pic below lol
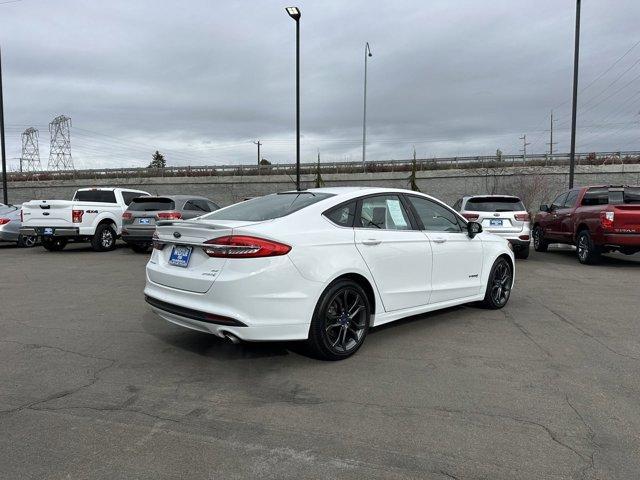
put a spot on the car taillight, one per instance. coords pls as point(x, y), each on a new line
point(76, 216)
point(606, 220)
point(157, 244)
point(127, 216)
point(522, 217)
point(21, 216)
point(4, 221)
point(472, 217)
point(241, 246)
point(168, 216)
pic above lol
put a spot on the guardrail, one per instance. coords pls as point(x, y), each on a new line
point(404, 165)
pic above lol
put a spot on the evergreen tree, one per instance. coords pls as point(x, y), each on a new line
point(319, 180)
point(157, 161)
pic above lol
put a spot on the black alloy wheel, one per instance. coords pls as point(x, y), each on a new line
point(341, 321)
point(499, 285)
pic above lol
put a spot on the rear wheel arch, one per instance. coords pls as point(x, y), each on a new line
point(363, 282)
point(580, 228)
point(509, 259)
point(108, 220)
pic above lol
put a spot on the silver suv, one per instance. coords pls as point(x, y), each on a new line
point(503, 215)
point(139, 220)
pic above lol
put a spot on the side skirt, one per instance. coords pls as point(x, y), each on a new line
point(382, 318)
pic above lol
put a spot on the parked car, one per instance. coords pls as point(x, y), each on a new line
point(597, 219)
point(94, 215)
point(10, 221)
point(504, 215)
point(139, 220)
point(323, 265)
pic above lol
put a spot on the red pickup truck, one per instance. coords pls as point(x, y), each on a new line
point(596, 220)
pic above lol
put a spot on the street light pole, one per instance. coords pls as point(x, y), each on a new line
point(367, 54)
point(294, 12)
point(5, 194)
point(572, 158)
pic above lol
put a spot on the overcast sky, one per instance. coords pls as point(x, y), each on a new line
point(201, 80)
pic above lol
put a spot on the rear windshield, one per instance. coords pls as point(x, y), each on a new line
point(493, 204)
point(268, 207)
point(151, 204)
point(102, 196)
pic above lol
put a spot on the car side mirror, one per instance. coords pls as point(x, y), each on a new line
point(473, 228)
point(544, 208)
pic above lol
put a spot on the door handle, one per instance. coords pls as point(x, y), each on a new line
point(439, 240)
point(371, 241)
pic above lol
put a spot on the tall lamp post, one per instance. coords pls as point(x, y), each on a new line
point(294, 12)
point(367, 54)
point(5, 194)
point(576, 56)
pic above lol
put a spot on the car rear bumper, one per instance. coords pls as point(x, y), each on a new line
point(265, 301)
point(622, 239)
point(57, 231)
point(6, 236)
point(137, 235)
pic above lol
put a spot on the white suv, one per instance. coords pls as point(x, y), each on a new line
point(502, 215)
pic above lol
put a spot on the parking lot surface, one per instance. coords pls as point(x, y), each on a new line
point(94, 385)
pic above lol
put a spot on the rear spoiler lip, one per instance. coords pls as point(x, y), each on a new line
point(188, 224)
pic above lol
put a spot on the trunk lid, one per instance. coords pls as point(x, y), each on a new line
point(200, 271)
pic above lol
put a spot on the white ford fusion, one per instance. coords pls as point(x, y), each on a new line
point(323, 265)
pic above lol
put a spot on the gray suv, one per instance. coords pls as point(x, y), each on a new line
point(139, 220)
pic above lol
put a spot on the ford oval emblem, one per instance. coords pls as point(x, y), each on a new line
point(496, 214)
point(176, 234)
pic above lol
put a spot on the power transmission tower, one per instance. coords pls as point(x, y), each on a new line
point(551, 142)
point(60, 149)
point(30, 158)
point(258, 144)
point(524, 147)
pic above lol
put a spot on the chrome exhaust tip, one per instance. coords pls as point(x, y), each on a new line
point(231, 338)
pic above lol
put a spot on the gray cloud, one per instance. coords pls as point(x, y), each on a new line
point(200, 80)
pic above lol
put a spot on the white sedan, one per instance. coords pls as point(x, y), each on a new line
point(323, 265)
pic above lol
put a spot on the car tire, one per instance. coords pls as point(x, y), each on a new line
point(104, 239)
point(54, 244)
point(521, 253)
point(539, 242)
point(340, 321)
point(588, 252)
point(140, 247)
point(27, 241)
point(499, 284)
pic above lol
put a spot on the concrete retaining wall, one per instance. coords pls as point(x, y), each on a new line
point(533, 184)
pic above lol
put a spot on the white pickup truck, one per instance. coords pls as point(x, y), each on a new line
point(94, 215)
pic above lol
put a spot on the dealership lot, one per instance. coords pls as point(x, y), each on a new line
point(93, 385)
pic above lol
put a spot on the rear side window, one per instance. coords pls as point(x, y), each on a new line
point(268, 207)
point(102, 196)
point(151, 204)
point(342, 215)
point(494, 204)
point(384, 212)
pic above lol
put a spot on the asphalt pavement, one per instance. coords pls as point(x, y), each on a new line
point(94, 386)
